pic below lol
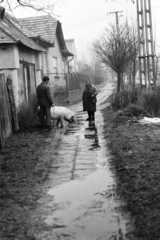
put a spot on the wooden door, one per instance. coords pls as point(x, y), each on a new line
point(27, 81)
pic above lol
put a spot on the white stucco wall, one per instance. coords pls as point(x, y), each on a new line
point(38, 68)
point(74, 61)
point(27, 55)
point(9, 56)
point(37, 58)
point(9, 64)
point(47, 66)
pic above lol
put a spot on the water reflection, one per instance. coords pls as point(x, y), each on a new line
point(92, 127)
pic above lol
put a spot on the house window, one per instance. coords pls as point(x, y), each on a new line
point(55, 65)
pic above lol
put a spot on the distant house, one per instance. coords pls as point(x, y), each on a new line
point(47, 32)
point(72, 61)
point(19, 57)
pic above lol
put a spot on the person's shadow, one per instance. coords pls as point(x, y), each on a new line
point(93, 128)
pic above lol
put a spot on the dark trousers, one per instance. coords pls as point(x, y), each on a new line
point(45, 112)
point(91, 114)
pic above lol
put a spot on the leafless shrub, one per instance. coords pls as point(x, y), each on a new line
point(150, 101)
point(122, 99)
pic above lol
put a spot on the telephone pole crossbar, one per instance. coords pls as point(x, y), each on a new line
point(117, 17)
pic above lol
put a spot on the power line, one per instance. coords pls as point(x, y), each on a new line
point(85, 21)
point(87, 24)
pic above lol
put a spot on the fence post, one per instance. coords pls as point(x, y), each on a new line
point(12, 104)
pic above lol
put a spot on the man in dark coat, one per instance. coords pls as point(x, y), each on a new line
point(89, 100)
point(45, 102)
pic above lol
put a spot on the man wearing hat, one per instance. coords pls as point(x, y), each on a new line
point(45, 102)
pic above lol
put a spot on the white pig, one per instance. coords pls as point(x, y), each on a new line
point(60, 114)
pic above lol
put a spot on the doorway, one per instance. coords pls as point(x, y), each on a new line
point(27, 80)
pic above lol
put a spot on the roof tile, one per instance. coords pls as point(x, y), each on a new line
point(44, 26)
point(11, 32)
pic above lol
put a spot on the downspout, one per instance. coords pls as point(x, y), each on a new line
point(67, 87)
point(68, 62)
point(47, 61)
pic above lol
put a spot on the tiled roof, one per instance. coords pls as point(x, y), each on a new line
point(11, 32)
point(43, 26)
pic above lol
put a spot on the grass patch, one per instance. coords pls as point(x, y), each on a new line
point(135, 149)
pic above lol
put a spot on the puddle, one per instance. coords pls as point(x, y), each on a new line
point(86, 206)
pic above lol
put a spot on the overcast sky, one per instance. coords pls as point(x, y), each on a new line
point(85, 20)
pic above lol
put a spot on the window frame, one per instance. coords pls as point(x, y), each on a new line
point(55, 65)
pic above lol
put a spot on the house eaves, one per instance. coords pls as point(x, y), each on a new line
point(67, 53)
point(12, 33)
point(62, 42)
point(41, 41)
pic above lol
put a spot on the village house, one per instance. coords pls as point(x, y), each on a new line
point(20, 58)
point(72, 61)
point(47, 32)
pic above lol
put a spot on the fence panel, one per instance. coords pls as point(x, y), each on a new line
point(75, 81)
point(5, 117)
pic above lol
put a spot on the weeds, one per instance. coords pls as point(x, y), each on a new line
point(135, 160)
point(123, 99)
point(150, 100)
point(28, 113)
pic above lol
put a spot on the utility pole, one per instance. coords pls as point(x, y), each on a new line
point(117, 18)
point(145, 43)
point(120, 81)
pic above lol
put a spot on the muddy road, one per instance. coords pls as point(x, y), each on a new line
point(79, 200)
point(58, 185)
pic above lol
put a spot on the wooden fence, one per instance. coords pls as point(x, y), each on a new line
point(77, 81)
point(8, 113)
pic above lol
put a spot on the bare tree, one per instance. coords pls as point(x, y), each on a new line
point(133, 68)
point(117, 49)
point(46, 6)
point(85, 68)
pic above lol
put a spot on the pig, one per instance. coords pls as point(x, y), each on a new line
point(61, 114)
